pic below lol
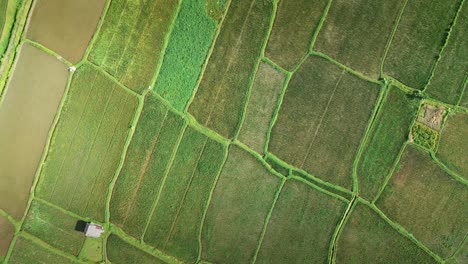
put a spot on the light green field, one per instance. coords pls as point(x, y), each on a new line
point(27, 251)
point(86, 148)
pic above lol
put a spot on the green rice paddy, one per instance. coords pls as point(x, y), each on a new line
point(233, 131)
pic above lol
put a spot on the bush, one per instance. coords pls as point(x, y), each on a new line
point(424, 136)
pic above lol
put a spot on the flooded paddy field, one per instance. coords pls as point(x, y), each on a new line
point(7, 231)
point(27, 112)
point(65, 26)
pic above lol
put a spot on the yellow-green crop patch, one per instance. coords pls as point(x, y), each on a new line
point(355, 33)
point(367, 238)
point(453, 144)
point(263, 100)
point(177, 217)
point(292, 31)
point(387, 136)
point(241, 201)
point(132, 39)
point(147, 160)
point(54, 227)
point(427, 201)
point(120, 252)
point(87, 144)
point(449, 77)
point(421, 32)
point(222, 93)
point(28, 251)
point(303, 219)
point(322, 120)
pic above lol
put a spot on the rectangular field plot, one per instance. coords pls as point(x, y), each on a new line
point(87, 144)
point(131, 40)
point(183, 63)
point(176, 222)
point(120, 252)
point(294, 26)
point(451, 71)
point(417, 41)
point(387, 136)
point(65, 26)
point(354, 35)
point(243, 196)
point(146, 163)
point(301, 225)
point(54, 227)
point(27, 112)
point(367, 238)
point(322, 119)
point(27, 251)
point(220, 98)
point(262, 103)
point(7, 230)
point(453, 144)
point(427, 201)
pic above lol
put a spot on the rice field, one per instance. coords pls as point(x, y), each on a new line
point(233, 131)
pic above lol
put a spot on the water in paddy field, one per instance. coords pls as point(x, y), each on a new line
point(27, 111)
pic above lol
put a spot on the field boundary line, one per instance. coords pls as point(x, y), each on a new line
point(332, 248)
point(401, 230)
point(444, 45)
point(307, 175)
point(458, 248)
point(123, 156)
point(319, 26)
point(9, 61)
point(153, 143)
point(48, 51)
point(275, 66)
point(208, 56)
point(91, 146)
point(97, 32)
point(444, 167)
point(163, 182)
point(313, 186)
point(253, 75)
point(279, 103)
point(64, 211)
point(342, 66)
point(184, 196)
point(167, 39)
point(113, 79)
point(460, 98)
point(390, 39)
point(267, 220)
point(208, 202)
point(41, 243)
point(138, 244)
point(10, 219)
point(259, 158)
point(319, 125)
point(376, 113)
